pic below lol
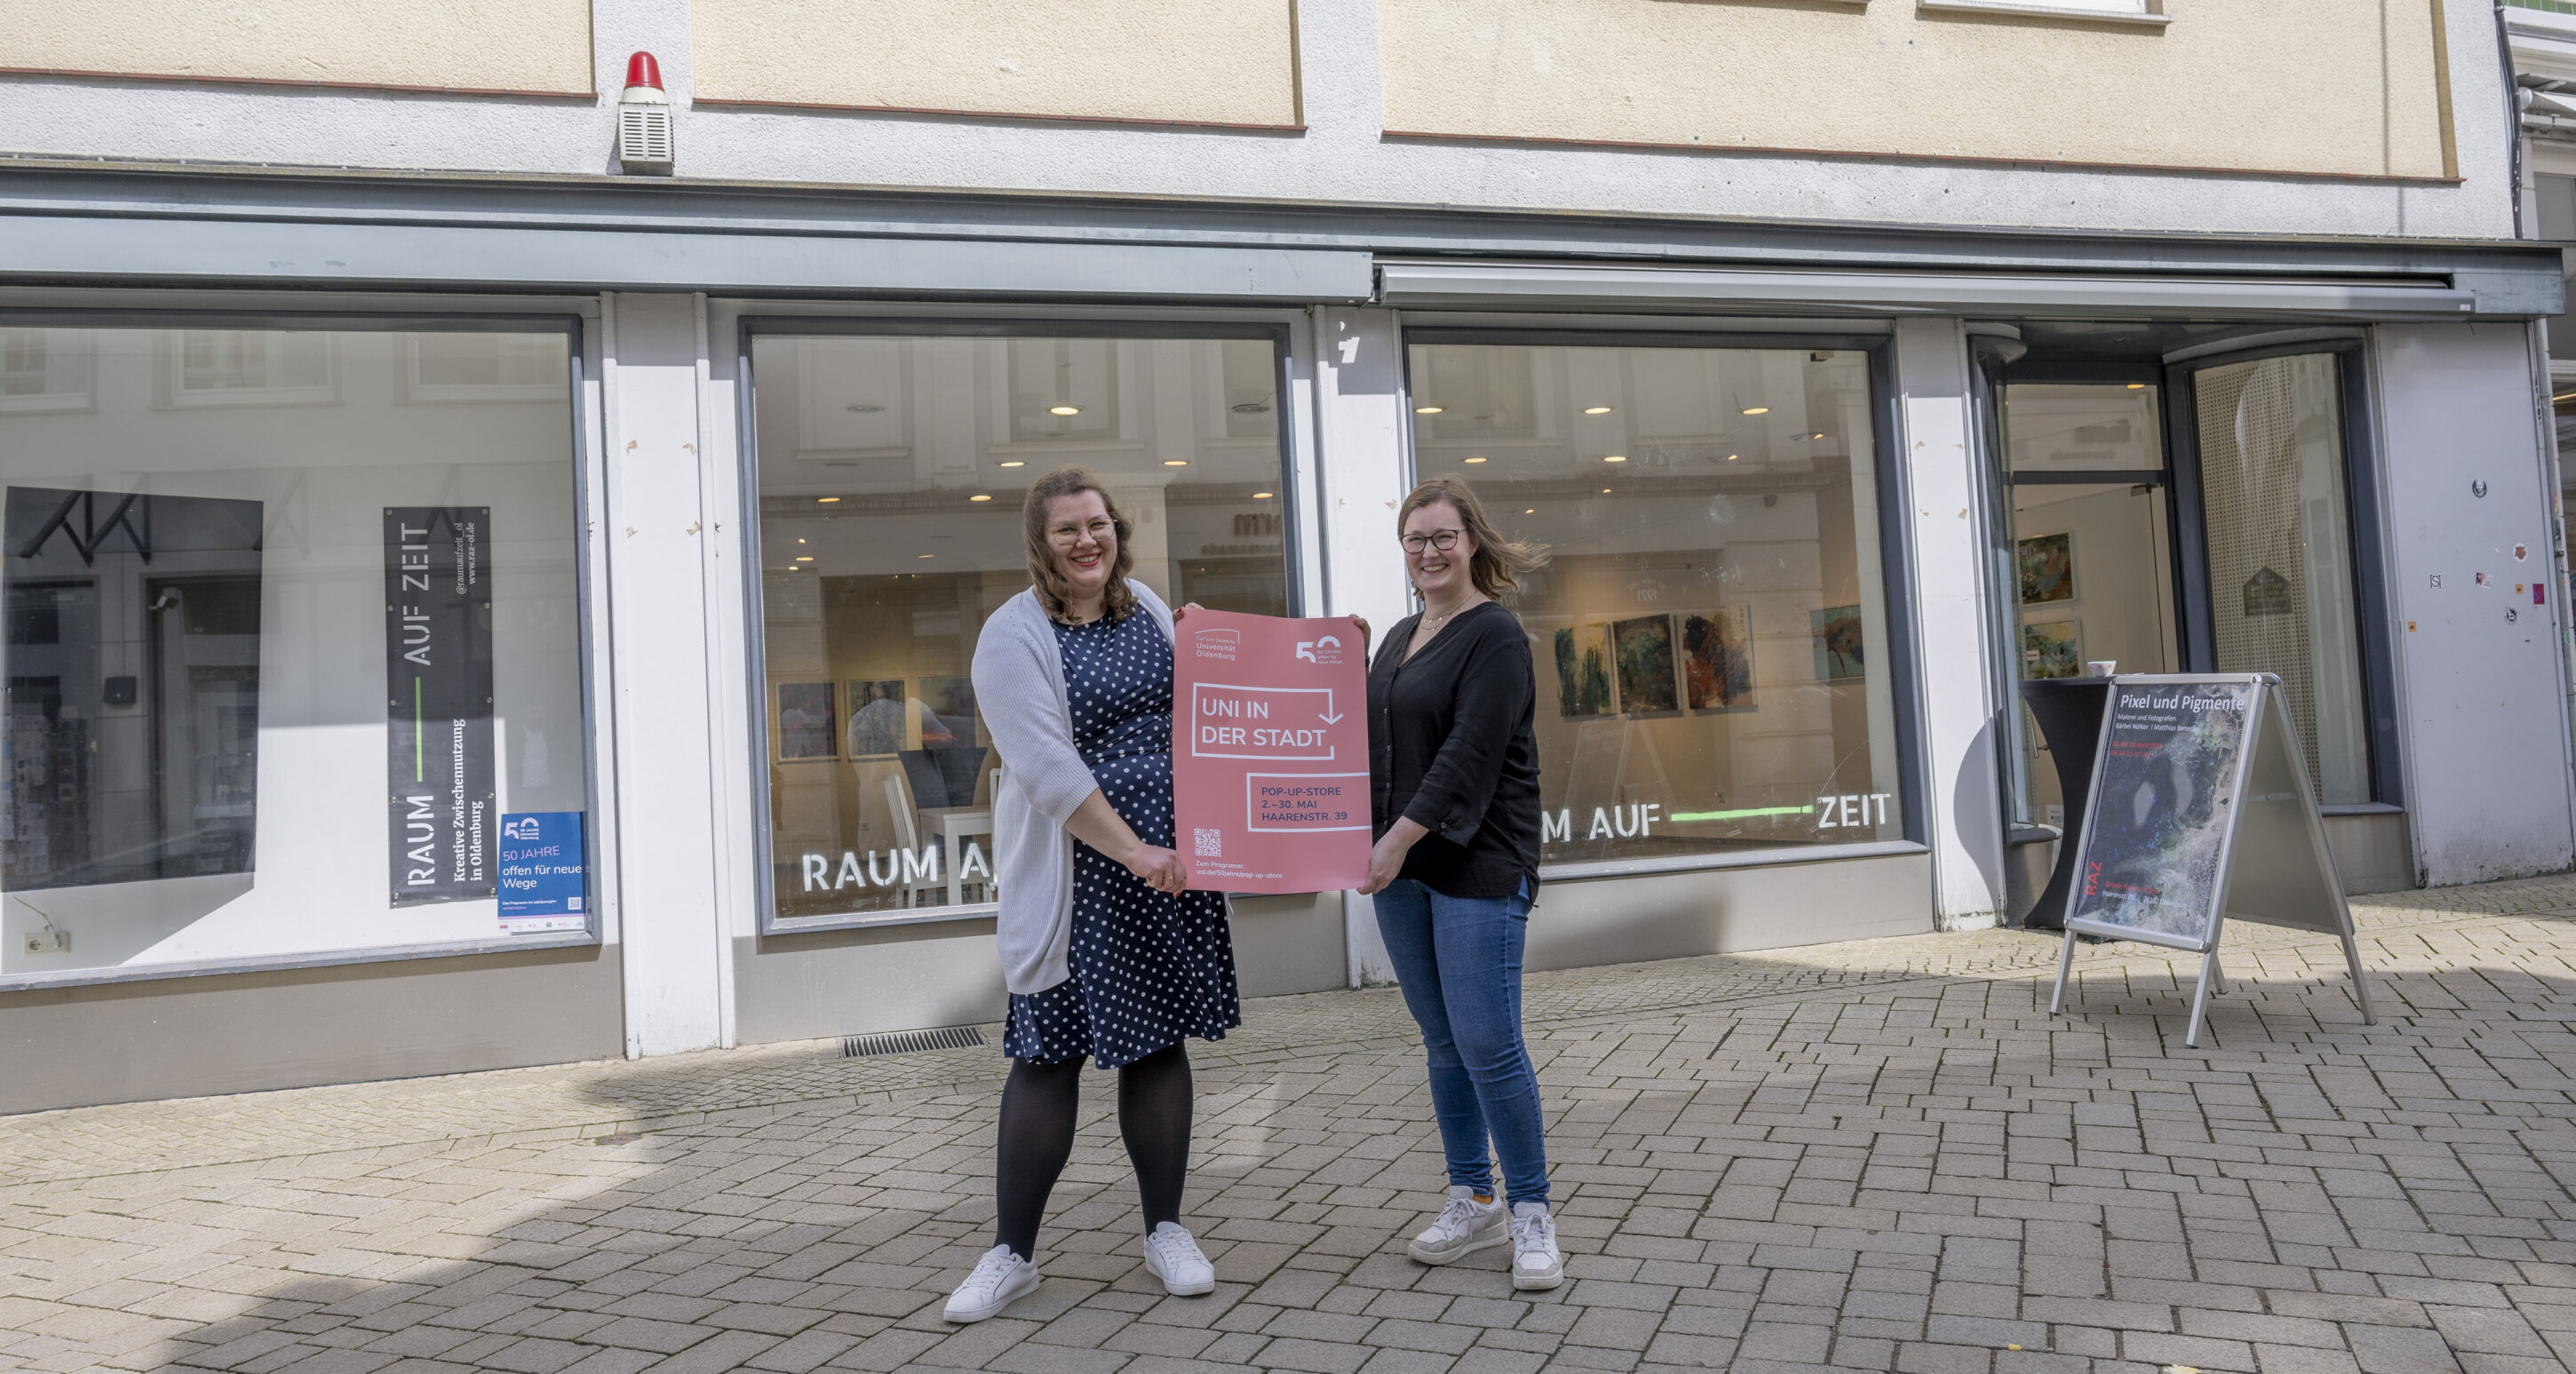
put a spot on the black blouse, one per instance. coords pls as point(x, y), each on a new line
point(1451, 746)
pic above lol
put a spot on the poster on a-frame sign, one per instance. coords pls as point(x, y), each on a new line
point(2201, 811)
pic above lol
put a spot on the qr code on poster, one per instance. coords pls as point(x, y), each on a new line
point(1211, 843)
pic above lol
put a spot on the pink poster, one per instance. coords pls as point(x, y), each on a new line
point(1270, 765)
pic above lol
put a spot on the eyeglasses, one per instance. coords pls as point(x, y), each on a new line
point(1442, 540)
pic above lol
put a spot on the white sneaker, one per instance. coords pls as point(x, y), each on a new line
point(1000, 1279)
point(1536, 1263)
point(1464, 1227)
point(1173, 1255)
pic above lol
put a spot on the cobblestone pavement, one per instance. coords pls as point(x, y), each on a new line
point(1882, 1155)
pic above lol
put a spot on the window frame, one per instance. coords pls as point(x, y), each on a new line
point(541, 318)
point(1896, 562)
point(2374, 606)
point(752, 327)
point(2149, 13)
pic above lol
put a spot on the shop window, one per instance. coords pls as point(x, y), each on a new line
point(890, 472)
point(274, 680)
point(1711, 636)
point(2275, 502)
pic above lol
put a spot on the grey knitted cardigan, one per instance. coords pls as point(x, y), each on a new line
point(1020, 693)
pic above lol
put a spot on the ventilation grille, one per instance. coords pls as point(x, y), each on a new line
point(911, 1042)
point(644, 138)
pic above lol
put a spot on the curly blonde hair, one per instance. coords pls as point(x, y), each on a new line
point(1117, 601)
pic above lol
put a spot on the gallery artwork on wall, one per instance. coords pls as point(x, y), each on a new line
point(806, 721)
point(2052, 649)
point(1583, 671)
point(2047, 568)
point(1717, 659)
point(1644, 652)
point(1837, 633)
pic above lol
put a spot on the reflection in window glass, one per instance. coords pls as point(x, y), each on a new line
point(890, 479)
point(2089, 426)
point(225, 731)
point(252, 361)
point(2281, 585)
point(44, 369)
point(1711, 635)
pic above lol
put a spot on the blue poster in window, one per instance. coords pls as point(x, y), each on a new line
point(542, 883)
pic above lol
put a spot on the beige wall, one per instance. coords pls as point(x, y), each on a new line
point(1157, 61)
point(2349, 87)
point(475, 45)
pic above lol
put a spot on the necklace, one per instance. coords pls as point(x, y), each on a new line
point(1430, 621)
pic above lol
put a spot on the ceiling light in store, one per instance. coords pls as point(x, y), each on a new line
point(1757, 410)
point(1531, 511)
point(928, 555)
point(1596, 410)
point(825, 500)
point(800, 541)
point(804, 558)
point(1426, 410)
point(979, 498)
point(1475, 460)
point(1261, 496)
point(1605, 491)
point(1064, 410)
point(2137, 386)
point(1015, 463)
point(1733, 456)
point(1615, 458)
point(1176, 462)
point(1816, 436)
point(863, 408)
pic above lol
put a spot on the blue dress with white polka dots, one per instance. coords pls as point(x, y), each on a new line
point(1149, 969)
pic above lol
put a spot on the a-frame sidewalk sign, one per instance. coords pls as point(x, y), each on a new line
point(2201, 812)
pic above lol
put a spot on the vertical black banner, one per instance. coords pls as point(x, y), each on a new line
point(438, 704)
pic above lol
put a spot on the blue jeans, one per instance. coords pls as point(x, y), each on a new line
point(1459, 962)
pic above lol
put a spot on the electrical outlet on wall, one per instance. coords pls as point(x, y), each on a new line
point(49, 942)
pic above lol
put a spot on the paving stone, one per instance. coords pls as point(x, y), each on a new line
point(1880, 1155)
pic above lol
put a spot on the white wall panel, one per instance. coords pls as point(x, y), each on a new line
point(2480, 666)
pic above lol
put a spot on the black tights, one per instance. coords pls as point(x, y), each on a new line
point(1037, 1137)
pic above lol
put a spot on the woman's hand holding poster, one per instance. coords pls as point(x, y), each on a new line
point(1270, 753)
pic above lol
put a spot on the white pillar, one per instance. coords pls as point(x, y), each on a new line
point(1363, 470)
point(1961, 719)
point(677, 961)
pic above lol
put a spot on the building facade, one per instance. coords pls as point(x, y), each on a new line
point(472, 601)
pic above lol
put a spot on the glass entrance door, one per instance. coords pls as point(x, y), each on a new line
point(2287, 583)
point(2090, 550)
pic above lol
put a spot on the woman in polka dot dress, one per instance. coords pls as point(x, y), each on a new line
point(1106, 953)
